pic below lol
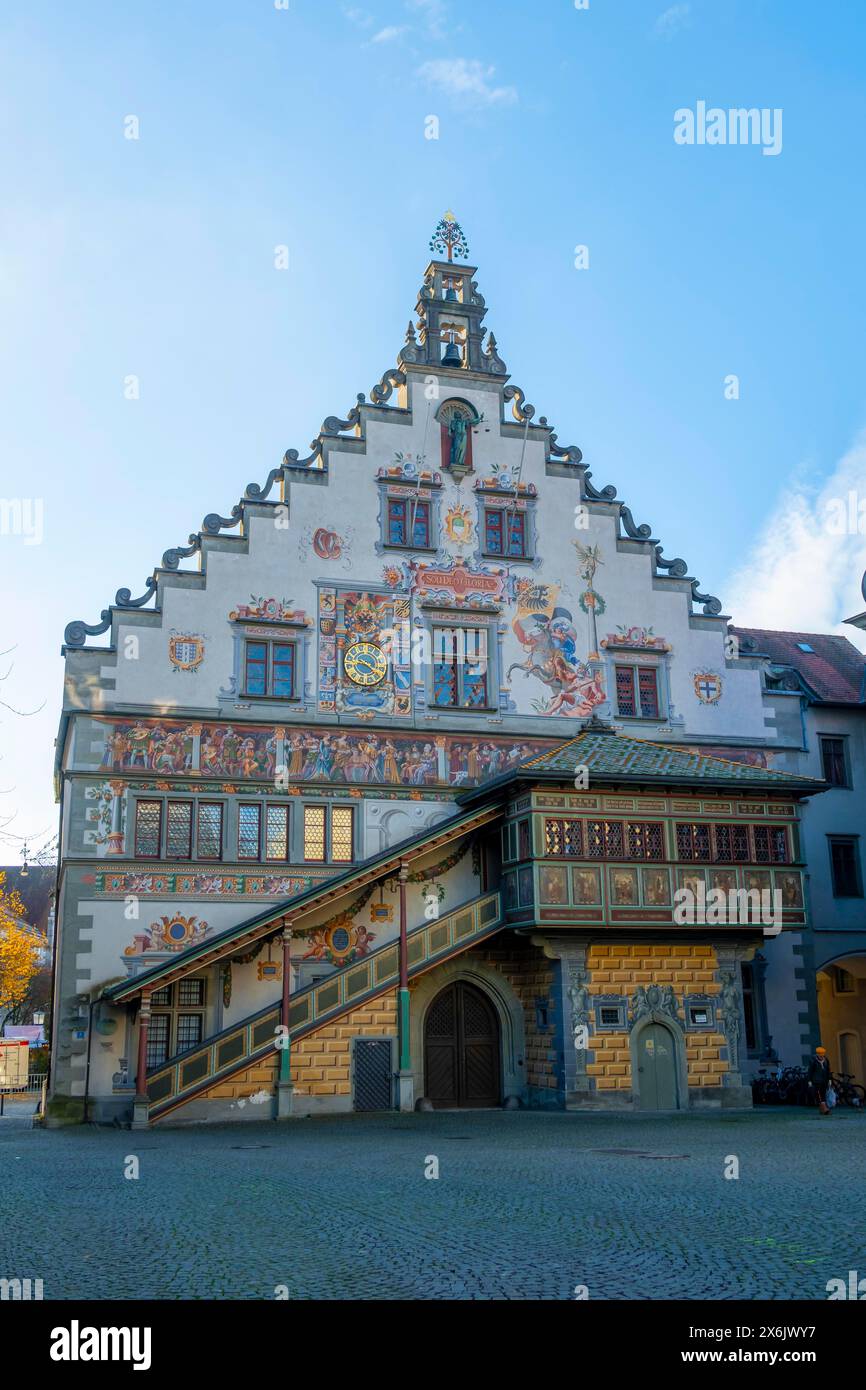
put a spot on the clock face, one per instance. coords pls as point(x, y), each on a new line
point(365, 663)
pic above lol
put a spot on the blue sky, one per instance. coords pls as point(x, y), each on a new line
point(305, 127)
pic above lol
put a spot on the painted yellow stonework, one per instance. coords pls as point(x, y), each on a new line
point(619, 969)
point(320, 1062)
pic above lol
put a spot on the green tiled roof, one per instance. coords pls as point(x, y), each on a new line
point(612, 755)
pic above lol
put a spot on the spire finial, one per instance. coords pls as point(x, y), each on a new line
point(449, 237)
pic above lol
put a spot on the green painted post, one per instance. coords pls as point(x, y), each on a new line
point(286, 1049)
point(403, 1006)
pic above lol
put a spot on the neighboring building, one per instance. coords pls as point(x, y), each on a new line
point(816, 686)
point(412, 765)
point(34, 884)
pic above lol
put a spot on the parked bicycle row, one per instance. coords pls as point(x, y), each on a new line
point(791, 1086)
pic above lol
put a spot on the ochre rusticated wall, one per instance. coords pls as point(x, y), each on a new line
point(619, 969)
point(321, 1061)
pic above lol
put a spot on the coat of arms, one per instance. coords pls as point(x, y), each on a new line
point(185, 651)
point(708, 686)
point(458, 525)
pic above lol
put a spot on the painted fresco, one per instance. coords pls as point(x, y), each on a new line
point(335, 756)
point(159, 747)
point(753, 757)
point(242, 752)
point(549, 639)
point(348, 617)
point(183, 884)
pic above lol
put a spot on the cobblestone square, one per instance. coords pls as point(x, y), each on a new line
point(527, 1205)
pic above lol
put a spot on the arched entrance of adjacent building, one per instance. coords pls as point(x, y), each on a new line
point(842, 1014)
point(657, 1067)
point(462, 1049)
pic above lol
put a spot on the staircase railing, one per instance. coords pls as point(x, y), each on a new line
point(244, 1043)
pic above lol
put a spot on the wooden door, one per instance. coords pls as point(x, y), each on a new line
point(461, 1049)
point(657, 1068)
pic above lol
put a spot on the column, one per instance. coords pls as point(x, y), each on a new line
point(115, 836)
point(284, 1081)
point(140, 1118)
point(405, 1080)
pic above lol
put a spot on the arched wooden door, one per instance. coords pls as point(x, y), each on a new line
point(462, 1049)
point(657, 1068)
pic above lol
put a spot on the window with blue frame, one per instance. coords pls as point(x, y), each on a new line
point(407, 516)
point(269, 669)
point(460, 668)
point(504, 532)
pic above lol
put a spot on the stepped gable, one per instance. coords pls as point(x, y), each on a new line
point(449, 309)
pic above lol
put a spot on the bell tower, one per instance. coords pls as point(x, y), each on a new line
point(450, 313)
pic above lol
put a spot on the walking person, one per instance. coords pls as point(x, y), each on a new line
point(819, 1078)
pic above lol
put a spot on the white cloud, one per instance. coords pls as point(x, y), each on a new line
point(389, 33)
point(804, 576)
point(672, 20)
point(468, 81)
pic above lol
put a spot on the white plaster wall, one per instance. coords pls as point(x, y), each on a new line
point(278, 566)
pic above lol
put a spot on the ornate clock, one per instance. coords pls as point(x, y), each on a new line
point(365, 663)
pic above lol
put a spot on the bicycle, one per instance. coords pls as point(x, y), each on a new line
point(766, 1089)
point(794, 1086)
point(847, 1091)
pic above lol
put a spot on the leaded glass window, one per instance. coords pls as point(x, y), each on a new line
point(148, 825)
point(249, 831)
point(210, 830)
point(314, 832)
point(341, 834)
point(277, 833)
point(178, 833)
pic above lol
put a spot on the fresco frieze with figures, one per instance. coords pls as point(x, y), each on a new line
point(335, 756)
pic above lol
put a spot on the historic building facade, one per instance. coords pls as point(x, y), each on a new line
point(385, 788)
point(815, 690)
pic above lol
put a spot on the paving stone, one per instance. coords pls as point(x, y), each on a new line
point(526, 1206)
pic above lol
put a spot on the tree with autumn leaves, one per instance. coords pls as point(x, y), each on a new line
point(20, 946)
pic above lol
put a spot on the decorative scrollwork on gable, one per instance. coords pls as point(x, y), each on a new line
point(521, 409)
point(677, 569)
point(381, 393)
point(254, 493)
point(635, 533)
point(171, 558)
point(607, 494)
